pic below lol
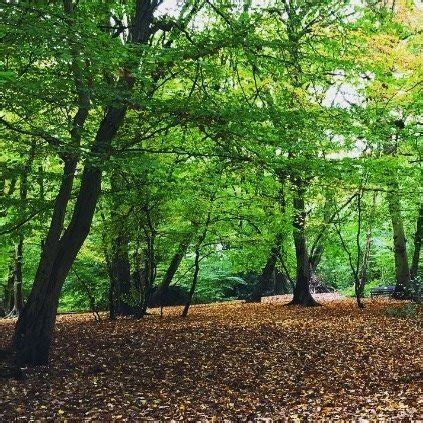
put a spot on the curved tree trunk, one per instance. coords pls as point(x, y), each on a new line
point(34, 330)
point(402, 269)
point(35, 327)
point(200, 241)
point(149, 277)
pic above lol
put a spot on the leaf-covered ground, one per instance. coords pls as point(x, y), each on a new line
point(234, 361)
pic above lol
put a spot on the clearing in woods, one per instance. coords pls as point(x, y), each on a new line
point(236, 361)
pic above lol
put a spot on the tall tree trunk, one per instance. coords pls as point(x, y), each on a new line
point(362, 278)
point(121, 276)
point(35, 327)
point(120, 267)
point(200, 241)
point(302, 295)
point(159, 295)
point(34, 330)
point(365, 262)
point(111, 293)
point(8, 294)
point(418, 236)
point(18, 301)
point(402, 270)
point(148, 279)
point(17, 294)
point(316, 258)
point(268, 272)
point(317, 248)
point(194, 282)
point(314, 261)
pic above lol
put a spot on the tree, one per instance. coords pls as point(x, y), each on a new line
point(36, 323)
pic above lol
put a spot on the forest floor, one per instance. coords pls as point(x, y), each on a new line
point(227, 361)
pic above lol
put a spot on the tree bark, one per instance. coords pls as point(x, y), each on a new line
point(149, 277)
point(120, 267)
point(18, 301)
point(365, 263)
point(402, 270)
point(8, 294)
point(200, 241)
point(34, 330)
point(302, 295)
point(194, 282)
point(418, 236)
point(268, 272)
point(35, 327)
point(121, 276)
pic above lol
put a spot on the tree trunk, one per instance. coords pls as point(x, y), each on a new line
point(200, 241)
point(17, 294)
point(365, 263)
point(8, 294)
point(268, 272)
point(194, 282)
point(121, 276)
point(362, 277)
point(18, 301)
point(314, 261)
point(120, 267)
point(34, 330)
point(402, 270)
point(91, 298)
point(159, 295)
point(302, 295)
point(418, 236)
point(316, 258)
point(149, 277)
point(35, 326)
point(317, 248)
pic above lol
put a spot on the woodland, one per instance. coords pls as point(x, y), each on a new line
point(198, 200)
